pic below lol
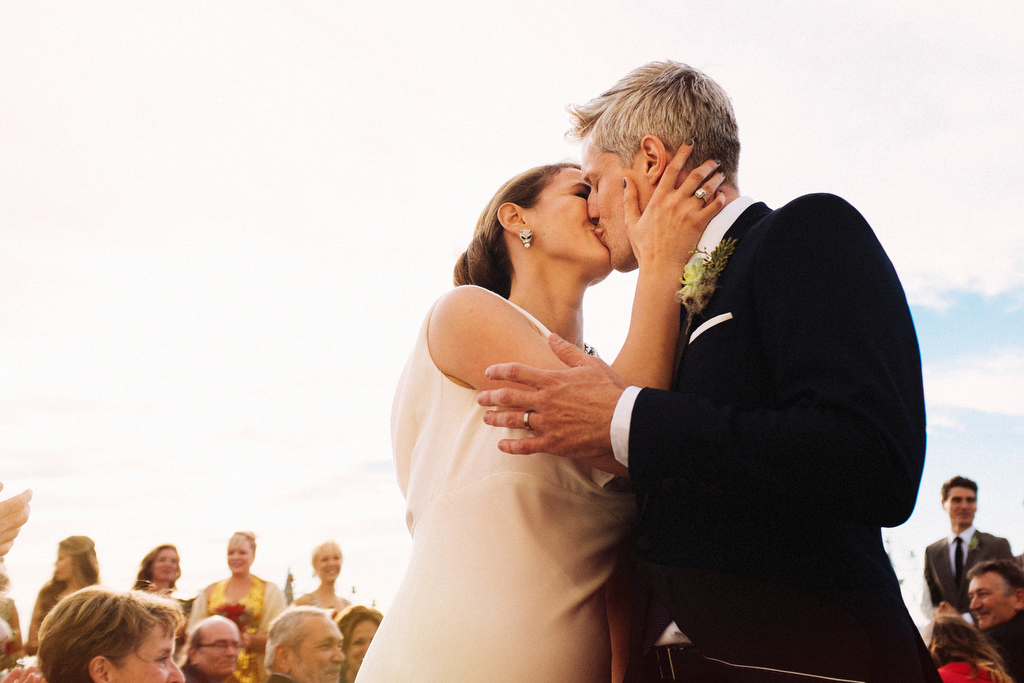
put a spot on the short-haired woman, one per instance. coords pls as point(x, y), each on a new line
point(106, 636)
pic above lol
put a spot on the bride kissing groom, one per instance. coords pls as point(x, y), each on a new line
point(793, 430)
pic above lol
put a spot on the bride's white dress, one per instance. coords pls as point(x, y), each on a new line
point(510, 553)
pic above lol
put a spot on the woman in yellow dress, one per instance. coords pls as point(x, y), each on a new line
point(247, 600)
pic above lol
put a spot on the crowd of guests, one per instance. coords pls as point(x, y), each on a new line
point(238, 630)
point(975, 592)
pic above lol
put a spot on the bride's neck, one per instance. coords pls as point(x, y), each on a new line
point(558, 306)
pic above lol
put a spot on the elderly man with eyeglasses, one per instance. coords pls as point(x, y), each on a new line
point(212, 651)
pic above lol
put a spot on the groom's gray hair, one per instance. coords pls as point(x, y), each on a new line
point(670, 100)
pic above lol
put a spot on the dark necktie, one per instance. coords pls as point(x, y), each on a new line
point(958, 560)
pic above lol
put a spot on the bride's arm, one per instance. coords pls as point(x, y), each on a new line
point(471, 328)
point(663, 239)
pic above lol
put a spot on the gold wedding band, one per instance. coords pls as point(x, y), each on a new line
point(526, 420)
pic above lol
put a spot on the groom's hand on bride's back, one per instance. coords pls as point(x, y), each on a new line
point(570, 410)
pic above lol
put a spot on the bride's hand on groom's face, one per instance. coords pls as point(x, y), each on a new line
point(570, 410)
point(668, 229)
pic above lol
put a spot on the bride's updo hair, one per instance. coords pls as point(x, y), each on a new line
point(486, 262)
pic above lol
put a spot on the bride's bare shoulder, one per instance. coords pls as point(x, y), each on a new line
point(468, 306)
point(471, 328)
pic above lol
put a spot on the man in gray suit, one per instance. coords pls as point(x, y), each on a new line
point(947, 561)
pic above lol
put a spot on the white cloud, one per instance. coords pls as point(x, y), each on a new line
point(944, 419)
point(992, 383)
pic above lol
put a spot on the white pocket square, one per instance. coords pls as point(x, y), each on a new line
point(708, 324)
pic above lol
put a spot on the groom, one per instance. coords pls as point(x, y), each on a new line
point(795, 430)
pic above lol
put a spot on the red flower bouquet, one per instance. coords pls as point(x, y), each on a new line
point(238, 614)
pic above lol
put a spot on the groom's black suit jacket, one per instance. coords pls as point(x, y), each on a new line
point(795, 432)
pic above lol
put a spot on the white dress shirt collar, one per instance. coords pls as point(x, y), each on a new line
point(720, 225)
point(966, 535)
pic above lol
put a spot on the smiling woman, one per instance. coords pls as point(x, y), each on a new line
point(358, 625)
point(248, 601)
point(326, 567)
point(110, 637)
point(159, 571)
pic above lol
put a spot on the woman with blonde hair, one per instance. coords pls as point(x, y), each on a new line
point(248, 601)
point(326, 567)
point(963, 654)
point(76, 567)
point(107, 636)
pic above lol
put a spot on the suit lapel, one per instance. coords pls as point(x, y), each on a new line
point(973, 553)
point(743, 223)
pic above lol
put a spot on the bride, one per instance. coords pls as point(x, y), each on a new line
point(512, 554)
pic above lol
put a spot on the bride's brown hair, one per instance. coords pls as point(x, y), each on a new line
point(486, 262)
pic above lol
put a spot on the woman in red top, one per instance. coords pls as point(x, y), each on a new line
point(963, 654)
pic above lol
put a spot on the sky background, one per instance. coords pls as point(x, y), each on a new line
point(221, 225)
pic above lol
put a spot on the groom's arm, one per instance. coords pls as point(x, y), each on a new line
point(840, 429)
point(570, 410)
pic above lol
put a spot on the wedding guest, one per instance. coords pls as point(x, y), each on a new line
point(304, 647)
point(10, 636)
point(358, 625)
point(107, 636)
point(247, 600)
point(212, 651)
point(13, 515)
point(997, 599)
point(11, 646)
point(326, 567)
point(76, 568)
point(947, 561)
point(963, 654)
point(159, 571)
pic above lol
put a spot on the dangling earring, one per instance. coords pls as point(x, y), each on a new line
point(526, 236)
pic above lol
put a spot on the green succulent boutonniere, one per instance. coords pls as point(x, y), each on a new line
point(700, 277)
point(975, 542)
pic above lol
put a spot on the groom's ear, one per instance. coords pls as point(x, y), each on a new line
point(511, 217)
point(651, 159)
